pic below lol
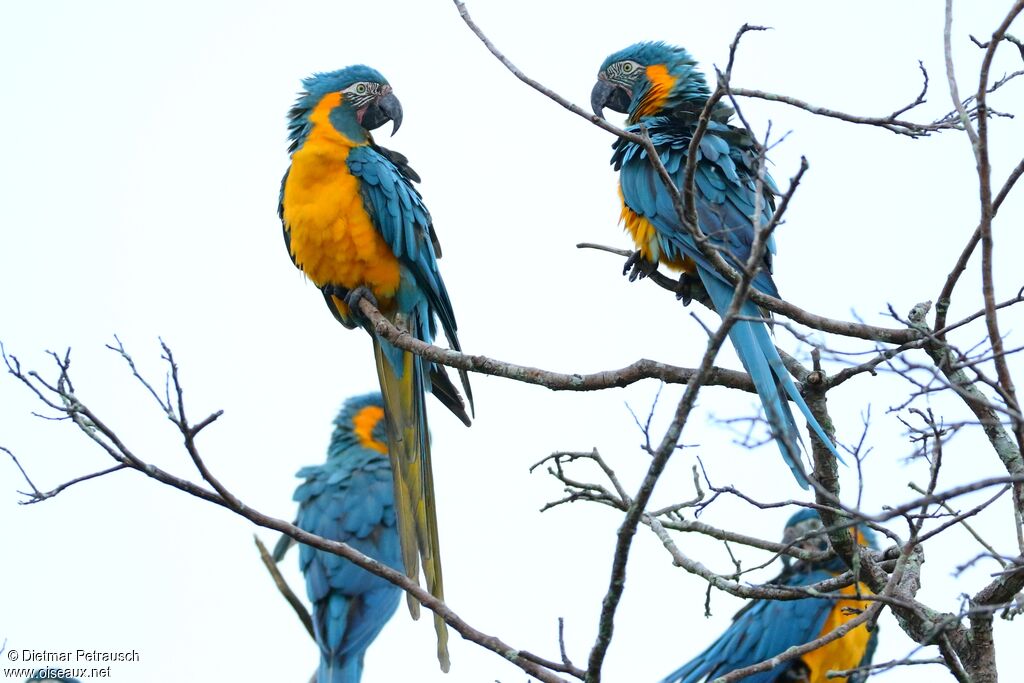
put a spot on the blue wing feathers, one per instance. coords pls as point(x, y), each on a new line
point(405, 224)
point(762, 630)
point(349, 498)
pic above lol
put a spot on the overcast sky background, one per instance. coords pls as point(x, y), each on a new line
point(142, 150)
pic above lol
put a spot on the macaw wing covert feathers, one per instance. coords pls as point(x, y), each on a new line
point(405, 224)
point(763, 629)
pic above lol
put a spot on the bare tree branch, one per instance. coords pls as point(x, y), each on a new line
point(64, 399)
point(892, 577)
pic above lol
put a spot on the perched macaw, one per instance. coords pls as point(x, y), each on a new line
point(660, 89)
point(356, 226)
point(349, 498)
point(765, 628)
point(44, 675)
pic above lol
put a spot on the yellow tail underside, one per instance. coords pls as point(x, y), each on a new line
point(333, 239)
point(414, 483)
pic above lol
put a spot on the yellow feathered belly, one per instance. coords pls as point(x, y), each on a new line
point(333, 239)
point(846, 652)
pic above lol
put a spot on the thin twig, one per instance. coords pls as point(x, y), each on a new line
point(286, 591)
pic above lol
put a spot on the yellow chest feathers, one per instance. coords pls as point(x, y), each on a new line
point(645, 236)
point(332, 237)
point(846, 652)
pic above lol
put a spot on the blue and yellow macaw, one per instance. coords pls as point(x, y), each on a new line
point(765, 628)
point(658, 87)
point(356, 226)
point(349, 498)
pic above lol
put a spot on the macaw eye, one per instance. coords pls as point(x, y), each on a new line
point(361, 88)
point(627, 68)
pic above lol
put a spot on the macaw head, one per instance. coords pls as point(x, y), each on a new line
point(360, 422)
point(354, 100)
point(805, 531)
point(648, 79)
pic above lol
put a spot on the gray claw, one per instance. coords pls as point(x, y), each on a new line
point(637, 267)
point(353, 297)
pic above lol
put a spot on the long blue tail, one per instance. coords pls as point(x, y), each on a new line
point(757, 352)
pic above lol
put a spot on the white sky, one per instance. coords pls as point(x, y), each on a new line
point(142, 150)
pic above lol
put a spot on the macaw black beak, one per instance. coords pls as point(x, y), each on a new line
point(387, 108)
point(606, 94)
